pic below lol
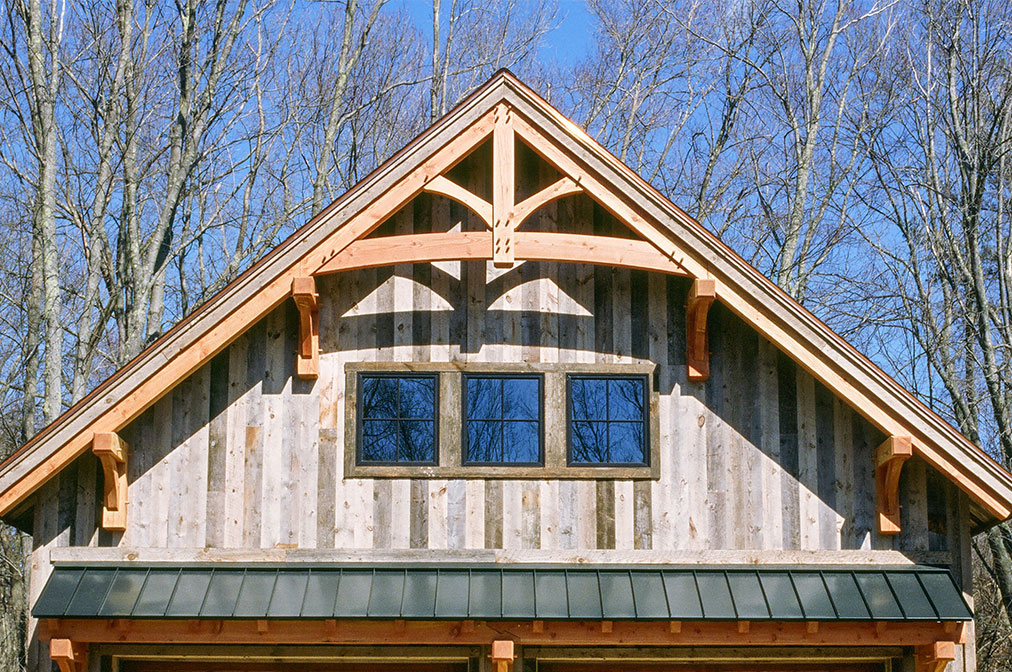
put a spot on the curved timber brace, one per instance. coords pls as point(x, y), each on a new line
point(889, 459)
point(503, 215)
point(701, 296)
point(308, 356)
point(70, 656)
point(112, 453)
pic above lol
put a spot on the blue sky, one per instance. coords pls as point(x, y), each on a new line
point(568, 43)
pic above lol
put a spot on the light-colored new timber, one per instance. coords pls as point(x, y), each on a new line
point(476, 245)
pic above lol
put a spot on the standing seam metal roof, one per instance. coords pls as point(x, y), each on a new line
point(498, 593)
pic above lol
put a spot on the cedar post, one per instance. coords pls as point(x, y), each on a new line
point(502, 655)
point(934, 657)
point(70, 656)
point(503, 190)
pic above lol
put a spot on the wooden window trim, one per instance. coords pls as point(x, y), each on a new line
point(449, 430)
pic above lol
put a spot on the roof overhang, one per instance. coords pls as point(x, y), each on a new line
point(496, 593)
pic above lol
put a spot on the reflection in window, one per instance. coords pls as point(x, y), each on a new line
point(397, 415)
point(607, 420)
point(503, 419)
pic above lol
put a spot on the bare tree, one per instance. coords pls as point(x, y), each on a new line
point(942, 182)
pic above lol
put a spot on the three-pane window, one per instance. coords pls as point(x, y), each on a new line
point(397, 418)
point(607, 420)
point(502, 419)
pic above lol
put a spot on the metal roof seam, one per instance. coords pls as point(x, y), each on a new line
point(797, 595)
point(762, 591)
point(927, 593)
point(829, 593)
point(144, 583)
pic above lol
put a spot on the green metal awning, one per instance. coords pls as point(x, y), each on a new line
point(501, 593)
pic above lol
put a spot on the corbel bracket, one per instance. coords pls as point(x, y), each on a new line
point(502, 655)
point(308, 356)
point(889, 459)
point(701, 296)
point(112, 453)
point(70, 656)
point(934, 657)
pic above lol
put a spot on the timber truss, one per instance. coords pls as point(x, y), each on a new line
point(503, 244)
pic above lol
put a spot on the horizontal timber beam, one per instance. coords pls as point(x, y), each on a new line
point(89, 554)
point(476, 246)
point(555, 633)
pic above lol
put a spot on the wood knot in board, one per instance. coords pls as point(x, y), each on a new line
point(701, 420)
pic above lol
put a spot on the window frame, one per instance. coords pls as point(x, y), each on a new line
point(645, 444)
point(344, 436)
point(465, 419)
point(360, 417)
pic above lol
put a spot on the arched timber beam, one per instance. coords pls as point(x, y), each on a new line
point(475, 246)
point(442, 186)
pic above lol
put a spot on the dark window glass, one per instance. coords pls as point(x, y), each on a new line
point(503, 419)
point(397, 418)
point(607, 420)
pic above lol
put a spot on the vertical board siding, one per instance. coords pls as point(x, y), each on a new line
point(243, 454)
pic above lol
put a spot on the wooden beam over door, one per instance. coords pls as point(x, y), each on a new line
point(550, 633)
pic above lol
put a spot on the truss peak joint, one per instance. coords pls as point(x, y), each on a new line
point(934, 657)
point(701, 297)
point(70, 656)
point(307, 301)
point(889, 458)
point(112, 452)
